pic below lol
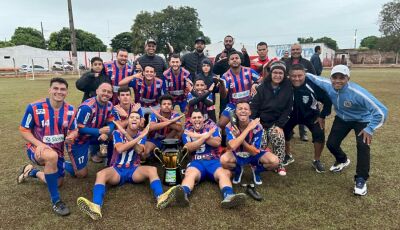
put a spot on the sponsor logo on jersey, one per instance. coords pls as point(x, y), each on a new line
point(306, 99)
point(40, 111)
point(53, 139)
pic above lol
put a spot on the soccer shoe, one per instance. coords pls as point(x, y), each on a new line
point(233, 200)
point(60, 208)
point(24, 173)
point(288, 159)
point(167, 197)
point(89, 208)
point(238, 175)
point(360, 188)
point(251, 191)
point(256, 176)
point(318, 166)
point(281, 171)
point(304, 138)
point(338, 167)
point(181, 197)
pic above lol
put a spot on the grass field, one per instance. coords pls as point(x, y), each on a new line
point(301, 200)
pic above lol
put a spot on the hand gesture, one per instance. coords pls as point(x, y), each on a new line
point(212, 86)
point(104, 130)
point(145, 131)
point(244, 51)
point(70, 138)
point(253, 90)
point(121, 112)
point(136, 107)
point(138, 67)
point(367, 138)
point(253, 124)
point(103, 137)
point(177, 118)
point(321, 122)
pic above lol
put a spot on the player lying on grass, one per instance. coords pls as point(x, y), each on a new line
point(204, 142)
point(129, 145)
point(46, 126)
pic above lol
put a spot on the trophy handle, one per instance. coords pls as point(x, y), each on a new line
point(185, 153)
point(156, 151)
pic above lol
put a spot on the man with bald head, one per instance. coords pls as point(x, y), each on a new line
point(95, 123)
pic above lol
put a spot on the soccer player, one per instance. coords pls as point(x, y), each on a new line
point(95, 123)
point(203, 143)
point(147, 89)
point(164, 123)
point(118, 70)
point(201, 98)
point(239, 83)
point(129, 145)
point(258, 63)
point(244, 146)
point(356, 109)
point(178, 83)
point(306, 110)
point(125, 107)
point(48, 124)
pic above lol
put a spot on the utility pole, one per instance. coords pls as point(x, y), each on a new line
point(73, 37)
point(355, 39)
point(41, 26)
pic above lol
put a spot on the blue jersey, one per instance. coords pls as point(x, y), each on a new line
point(117, 117)
point(128, 158)
point(162, 133)
point(147, 95)
point(239, 86)
point(116, 75)
point(253, 138)
point(354, 103)
point(177, 85)
point(205, 152)
point(92, 114)
point(48, 125)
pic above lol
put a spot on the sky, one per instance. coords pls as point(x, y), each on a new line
point(273, 21)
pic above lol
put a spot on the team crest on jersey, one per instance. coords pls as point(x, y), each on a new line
point(306, 99)
point(347, 104)
point(70, 113)
point(40, 111)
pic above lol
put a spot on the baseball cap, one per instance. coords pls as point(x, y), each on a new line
point(150, 40)
point(340, 69)
point(200, 39)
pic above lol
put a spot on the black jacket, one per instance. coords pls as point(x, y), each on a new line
point(156, 61)
point(272, 108)
point(306, 98)
point(88, 83)
point(193, 62)
point(220, 67)
point(316, 62)
point(306, 63)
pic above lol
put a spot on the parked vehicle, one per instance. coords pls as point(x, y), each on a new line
point(36, 68)
point(60, 66)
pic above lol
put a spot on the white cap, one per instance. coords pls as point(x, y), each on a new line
point(340, 69)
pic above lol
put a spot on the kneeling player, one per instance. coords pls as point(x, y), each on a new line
point(203, 142)
point(129, 144)
point(45, 126)
point(244, 143)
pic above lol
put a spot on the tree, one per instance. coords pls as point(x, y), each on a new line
point(28, 36)
point(328, 42)
point(389, 18)
point(305, 40)
point(6, 44)
point(369, 42)
point(122, 41)
point(389, 43)
point(179, 26)
point(85, 41)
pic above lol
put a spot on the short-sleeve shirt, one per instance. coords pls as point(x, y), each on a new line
point(128, 158)
point(205, 151)
point(147, 95)
point(239, 86)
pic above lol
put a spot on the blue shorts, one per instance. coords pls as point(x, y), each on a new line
point(252, 160)
point(156, 142)
point(207, 168)
point(78, 155)
point(60, 163)
point(182, 105)
point(125, 174)
point(229, 107)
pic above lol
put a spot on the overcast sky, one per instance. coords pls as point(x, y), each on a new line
point(274, 21)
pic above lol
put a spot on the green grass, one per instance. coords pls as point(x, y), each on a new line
point(301, 200)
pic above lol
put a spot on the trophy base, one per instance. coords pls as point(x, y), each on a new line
point(172, 177)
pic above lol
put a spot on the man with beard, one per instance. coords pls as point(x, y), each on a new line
point(222, 65)
point(178, 83)
point(95, 123)
point(118, 70)
point(150, 58)
point(203, 143)
point(193, 61)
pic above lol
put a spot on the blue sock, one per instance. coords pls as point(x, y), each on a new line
point(156, 186)
point(33, 173)
point(52, 186)
point(260, 168)
point(226, 191)
point(98, 194)
point(187, 190)
point(69, 168)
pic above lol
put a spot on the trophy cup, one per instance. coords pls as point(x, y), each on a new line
point(171, 157)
